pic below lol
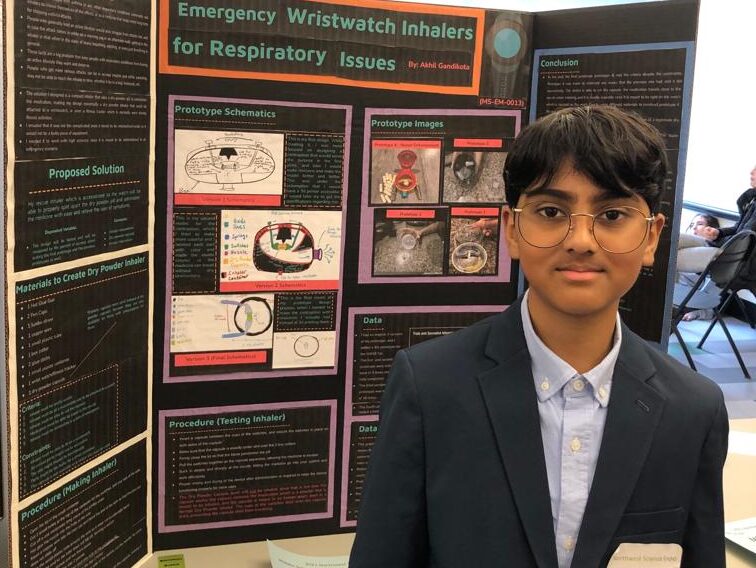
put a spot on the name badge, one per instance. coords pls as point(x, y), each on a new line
point(632, 554)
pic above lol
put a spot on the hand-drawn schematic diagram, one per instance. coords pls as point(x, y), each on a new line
point(285, 248)
point(235, 328)
point(308, 349)
point(215, 162)
point(221, 323)
point(265, 250)
point(258, 210)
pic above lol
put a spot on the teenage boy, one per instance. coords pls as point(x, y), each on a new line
point(550, 434)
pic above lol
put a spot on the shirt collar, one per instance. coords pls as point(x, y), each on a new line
point(551, 373)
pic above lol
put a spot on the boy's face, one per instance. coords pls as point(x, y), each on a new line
point(577, 277)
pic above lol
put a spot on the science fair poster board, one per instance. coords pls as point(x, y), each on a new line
point(327, 190)
point(78, 262)
point(431, 104)
point(313, 157)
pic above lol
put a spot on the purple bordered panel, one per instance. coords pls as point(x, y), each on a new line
point(210, 199)
point(464, 135)
point(245, 475)
point(385, 330)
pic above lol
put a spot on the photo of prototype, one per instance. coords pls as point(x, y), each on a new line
point(473, 247)
point(405, 176)
point(408, 247)
point(474, 177)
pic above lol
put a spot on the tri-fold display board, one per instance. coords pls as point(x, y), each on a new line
point(225, 217)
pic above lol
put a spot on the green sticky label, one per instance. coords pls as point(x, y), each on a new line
point(173, 561)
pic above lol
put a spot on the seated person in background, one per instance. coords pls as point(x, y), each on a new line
point(702, 224)
point(696, 251)
point(747, 212)
point(693, 251)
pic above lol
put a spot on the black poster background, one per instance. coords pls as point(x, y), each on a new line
point(82, 346)
point(82, 105)
point(56, 222)
point(294, 388)
point(79, 82)
point(643, 308)
point(614, 78)
point(97, 519)
point(500, 88)
point(509, 85)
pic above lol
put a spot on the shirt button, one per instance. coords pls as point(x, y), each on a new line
point(578, 384)
point(545, 385)
point(575, 445)
point(569, 543)
point(602, 391)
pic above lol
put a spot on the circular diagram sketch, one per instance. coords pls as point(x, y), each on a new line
point(230, 160)
point(253, 316)
point(306, 346)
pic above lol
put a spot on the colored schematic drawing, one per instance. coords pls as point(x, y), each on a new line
point(228, 161)
point(252, 316)
point(285, 248)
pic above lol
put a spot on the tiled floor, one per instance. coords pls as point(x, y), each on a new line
point(717, 361)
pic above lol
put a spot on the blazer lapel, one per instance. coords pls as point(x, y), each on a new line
point(633, 415)
point(512, 407)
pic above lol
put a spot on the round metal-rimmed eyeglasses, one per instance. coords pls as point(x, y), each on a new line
point(617, 229)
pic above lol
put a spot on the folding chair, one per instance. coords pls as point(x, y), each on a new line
point(713, 289)
point(745, 280)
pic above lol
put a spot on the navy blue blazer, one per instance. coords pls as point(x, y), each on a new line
point(457, 477)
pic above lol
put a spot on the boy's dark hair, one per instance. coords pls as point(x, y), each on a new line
point(618, 150)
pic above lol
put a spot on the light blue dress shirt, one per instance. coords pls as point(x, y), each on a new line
point(572, 408)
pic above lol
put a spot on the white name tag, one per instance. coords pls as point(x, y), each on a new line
point(632, 554)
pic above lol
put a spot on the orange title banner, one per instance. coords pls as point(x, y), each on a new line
point(204, 40)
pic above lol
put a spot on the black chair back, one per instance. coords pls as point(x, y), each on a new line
point(730, 263)
point(737, 256)
point(746, 279)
